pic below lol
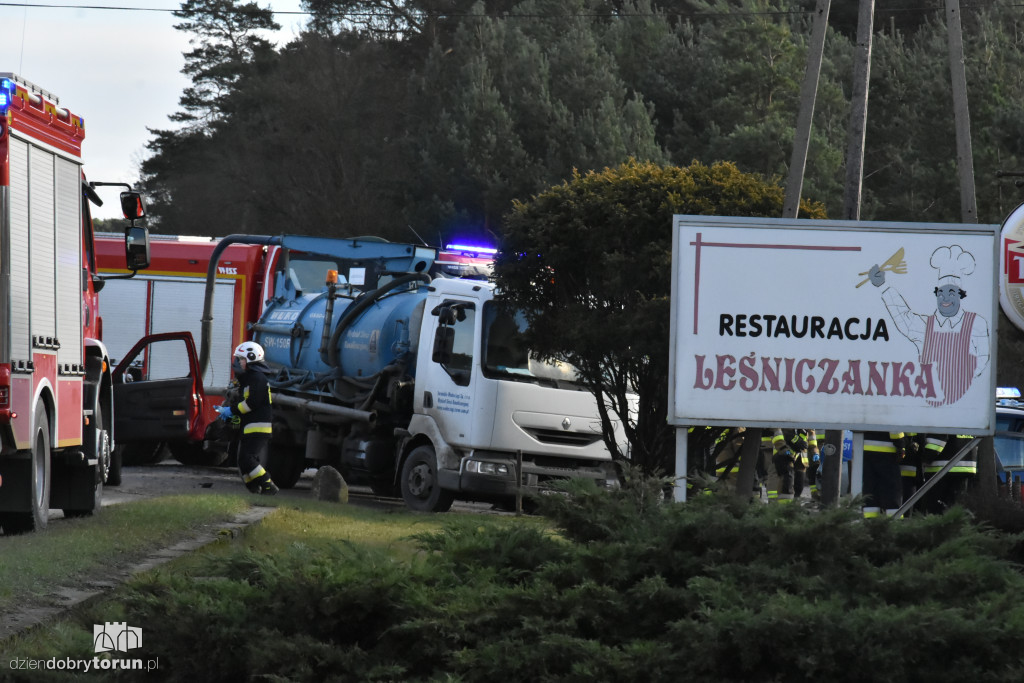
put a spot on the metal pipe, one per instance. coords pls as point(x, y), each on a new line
point(934, 479)
point(211, 278)
point(268, 328)
point(313, 406)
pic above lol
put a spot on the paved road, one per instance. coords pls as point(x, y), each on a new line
point(170, 477)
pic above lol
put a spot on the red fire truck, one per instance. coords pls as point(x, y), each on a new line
point(168, 297)
point(56, 393)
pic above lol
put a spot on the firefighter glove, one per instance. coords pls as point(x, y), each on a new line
point(225, 412)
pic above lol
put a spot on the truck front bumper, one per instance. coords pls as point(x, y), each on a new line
point(495, 475)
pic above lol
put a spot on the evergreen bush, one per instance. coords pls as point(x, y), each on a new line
point(630, 588)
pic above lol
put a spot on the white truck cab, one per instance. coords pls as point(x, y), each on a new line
point(482, 402)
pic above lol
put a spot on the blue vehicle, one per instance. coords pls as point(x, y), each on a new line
point(412, 384)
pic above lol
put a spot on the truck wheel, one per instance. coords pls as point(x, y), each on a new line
point(98, 444)
point(114, 476)
point(109, 457)
point(39, 480)
point(101, 441)
point(420, 488)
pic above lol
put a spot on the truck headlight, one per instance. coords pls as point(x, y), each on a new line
point(492, 468)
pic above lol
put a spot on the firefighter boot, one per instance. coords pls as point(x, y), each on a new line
point(258, 481)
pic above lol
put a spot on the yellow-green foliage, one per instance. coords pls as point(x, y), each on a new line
point(720, 189)
point(590, 261)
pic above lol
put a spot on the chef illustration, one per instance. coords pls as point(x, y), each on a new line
point(954, 341)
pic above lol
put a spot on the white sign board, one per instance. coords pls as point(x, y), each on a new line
point(843, 324)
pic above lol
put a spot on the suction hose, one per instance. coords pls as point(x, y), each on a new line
point(211, 279)
point(360, 305)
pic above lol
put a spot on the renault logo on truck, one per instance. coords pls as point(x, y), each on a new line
point(566, 423)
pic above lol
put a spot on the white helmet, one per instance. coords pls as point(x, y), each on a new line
point(250, 351)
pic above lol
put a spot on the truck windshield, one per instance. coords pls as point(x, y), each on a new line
point(309, 275)
point(506, 356)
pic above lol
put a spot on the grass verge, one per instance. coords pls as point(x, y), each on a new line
point(35, 564)
point(303, 529)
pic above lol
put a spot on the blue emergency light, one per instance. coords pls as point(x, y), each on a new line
point(6, 93)
point(470, 250)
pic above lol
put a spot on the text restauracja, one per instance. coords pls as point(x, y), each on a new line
point(811, 326)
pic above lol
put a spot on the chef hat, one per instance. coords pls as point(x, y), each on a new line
point(952, 262)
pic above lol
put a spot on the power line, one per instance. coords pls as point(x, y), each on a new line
point(118, 9)
point(370, 14)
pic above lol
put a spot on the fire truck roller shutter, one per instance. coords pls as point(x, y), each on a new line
point(178, 305)
point(42, 245)
point(173, 304)
point(21, 337)
point(120, 331)
point(68, 199)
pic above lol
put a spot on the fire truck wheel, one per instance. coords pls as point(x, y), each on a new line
point(420, 488)
point(101, 441)
point(97, 444)
point(114, 477)
point(109, 462)
point(38, 480)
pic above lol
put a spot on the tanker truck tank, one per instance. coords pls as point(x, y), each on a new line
point(367, 334)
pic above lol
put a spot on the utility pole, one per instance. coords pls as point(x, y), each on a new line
point(961, 113)
point(858, 111)
point(808, 96)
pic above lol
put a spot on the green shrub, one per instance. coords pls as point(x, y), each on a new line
point(630, 588)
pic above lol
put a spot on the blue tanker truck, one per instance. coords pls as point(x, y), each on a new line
point(416, 386)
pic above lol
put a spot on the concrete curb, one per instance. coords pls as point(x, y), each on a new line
point(63, 599)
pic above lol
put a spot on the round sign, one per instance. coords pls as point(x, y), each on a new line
point(1011, 270)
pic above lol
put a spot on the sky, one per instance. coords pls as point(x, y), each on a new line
point(119, 69)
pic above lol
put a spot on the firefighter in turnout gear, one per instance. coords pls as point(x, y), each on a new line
point(956, 481)
point(883, 486)
point(253, 410)
point(799, 441)
point(780, 487)
point(727, 460)
point(814, 458)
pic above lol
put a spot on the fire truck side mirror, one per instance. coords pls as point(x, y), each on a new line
point(136, 247)
point(131, 205)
